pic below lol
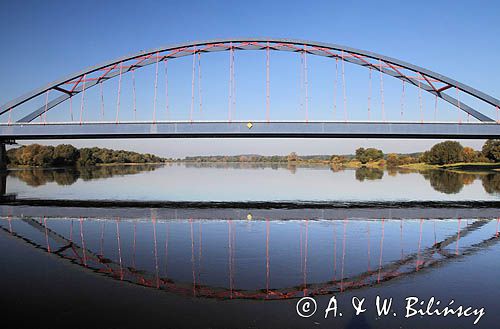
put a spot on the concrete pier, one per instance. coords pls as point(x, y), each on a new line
point(3, 156)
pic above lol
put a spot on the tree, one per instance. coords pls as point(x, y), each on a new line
point(292, 157)
point(45, 157)
point(445, 153)
point(393, 160)
point(86, 157)
point(469, 154)
point(491, 150)
point(338, 159)
point(425, 157)
point(65, 155)
point(369, 154)
point(407, 160)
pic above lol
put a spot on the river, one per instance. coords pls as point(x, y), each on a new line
point(191, 245)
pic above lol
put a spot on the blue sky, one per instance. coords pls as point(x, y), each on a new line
point(44, 40)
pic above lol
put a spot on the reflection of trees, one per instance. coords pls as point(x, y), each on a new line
point(65, 177)
point(468, 179)
point(89, 173)
point(369, 173)
point(336, 167)
point(393, 171)
point(491, 183)
point(448, 182)
point(68, 176)
point(38, 177)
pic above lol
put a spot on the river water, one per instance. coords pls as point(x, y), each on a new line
point(354, 233)
point(251, 182)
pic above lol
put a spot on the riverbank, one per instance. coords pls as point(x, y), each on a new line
point(462, 167)
point(469, 167)
point(20, 167)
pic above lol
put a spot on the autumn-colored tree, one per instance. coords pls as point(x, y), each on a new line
point(36, 155)
point(407, 160)
point(292, 157)
point(393, 160)
point(338, 159)
point(469, 154)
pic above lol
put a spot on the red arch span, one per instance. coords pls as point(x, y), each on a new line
point(427, 80)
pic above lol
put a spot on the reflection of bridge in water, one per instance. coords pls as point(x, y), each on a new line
point(281, 262)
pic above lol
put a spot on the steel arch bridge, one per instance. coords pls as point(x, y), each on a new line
point(65, 89)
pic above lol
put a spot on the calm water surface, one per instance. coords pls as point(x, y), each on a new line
point(192, 182)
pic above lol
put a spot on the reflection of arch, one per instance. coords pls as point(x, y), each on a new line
point(427, 80)
point(428, 258)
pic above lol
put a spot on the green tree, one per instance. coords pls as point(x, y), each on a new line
point(370, 154)
point(425, 157)
point(445, 153)
point(65, 155)
point(86, 158)
point(491, 150)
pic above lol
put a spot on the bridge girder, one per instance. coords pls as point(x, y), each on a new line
point(387, 65)
point(255, 129)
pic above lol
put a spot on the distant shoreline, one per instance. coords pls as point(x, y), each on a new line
point(462, 166)
point(468, 167)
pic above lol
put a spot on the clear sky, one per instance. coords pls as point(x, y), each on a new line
point(44, 40)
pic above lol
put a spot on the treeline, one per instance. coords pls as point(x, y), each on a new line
point(66, 155)
point(450, 152)
point(257, 158)
point(376, 156)
point(447, 152)
point(362, 155)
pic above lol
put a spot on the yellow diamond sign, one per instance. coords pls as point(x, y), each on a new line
point(249, 125)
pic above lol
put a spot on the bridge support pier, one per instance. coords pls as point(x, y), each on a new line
point(3, 156)
point(3, 184)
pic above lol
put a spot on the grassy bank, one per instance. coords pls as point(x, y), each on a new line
point(461, 166)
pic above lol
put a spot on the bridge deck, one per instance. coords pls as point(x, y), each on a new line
point(245, 129)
